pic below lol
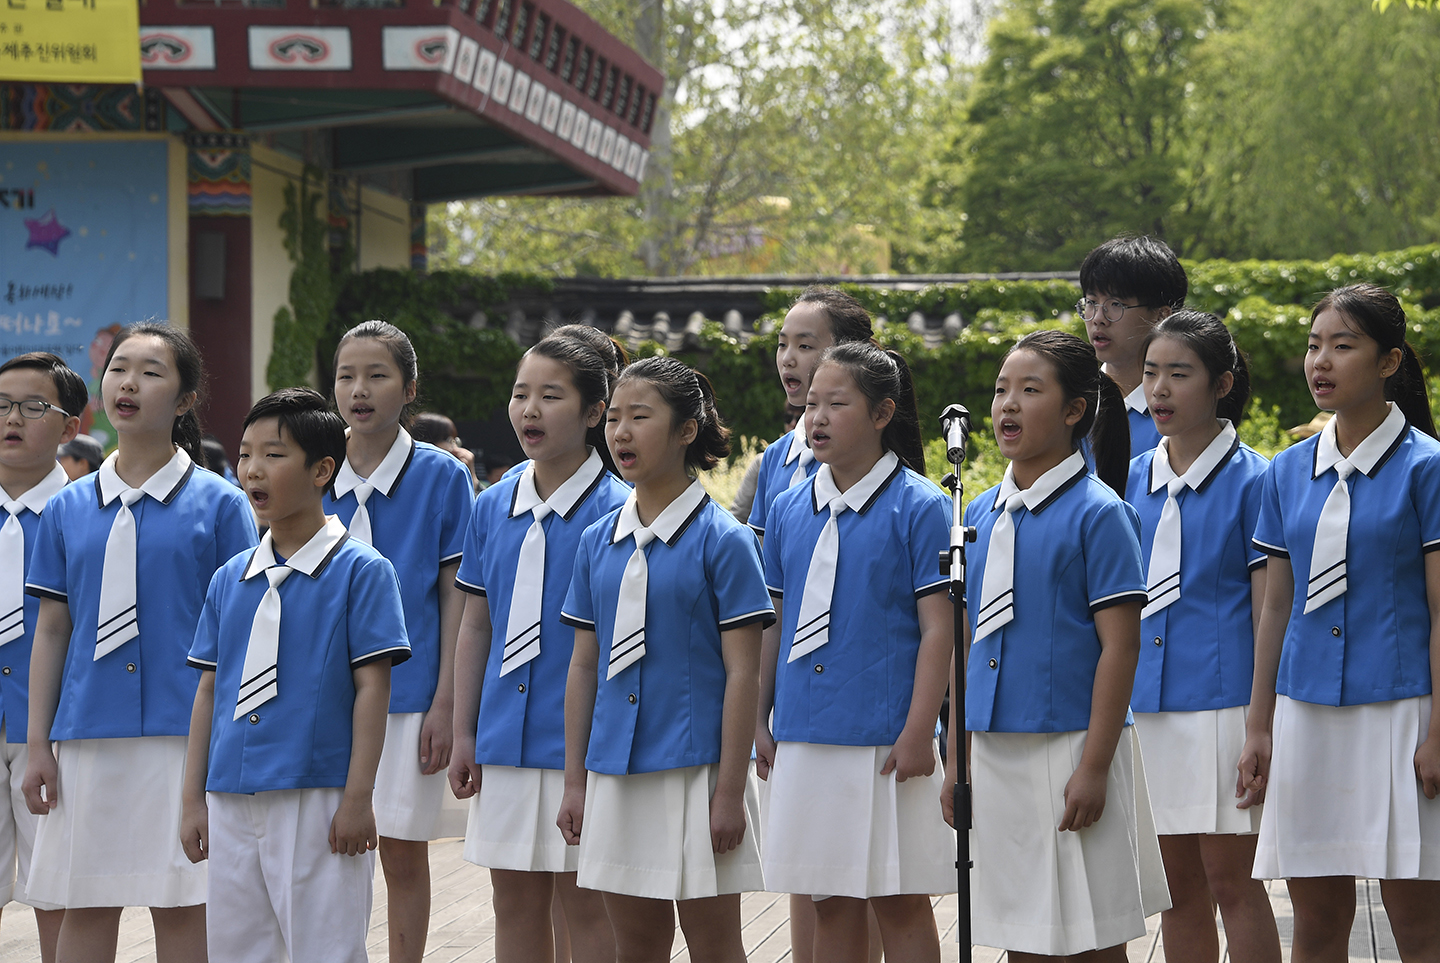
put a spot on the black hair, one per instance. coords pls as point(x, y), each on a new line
point(1207, 336)
point(690, 396)
point(594, 361)
point(432, 427)
point(397, 342)
point(69, 386)
point(880, 374)
point(1380, 316)
point(1136, 267)
point(306, 417)
point(215, 457)
point(191, 368)
point(849, 321)
point(1104, 422)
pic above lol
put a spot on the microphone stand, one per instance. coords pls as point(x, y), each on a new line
point(955, 426)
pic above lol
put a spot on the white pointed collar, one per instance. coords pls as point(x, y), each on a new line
point(1135, 400)
point(860, 495)
point(563, 500)
point(1370, 454)
point(40, 492)
point(386, 475)
point(799, 441)
point(161, 486)
point(1204, 467)
point(1047, 487)
point(670, 523)
point(312, 557)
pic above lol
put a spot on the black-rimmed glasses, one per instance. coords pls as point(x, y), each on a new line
point(34, 410)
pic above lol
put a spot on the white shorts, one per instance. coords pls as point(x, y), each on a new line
point(113, 839)
point(648, 835)
point(1190, 769)
point(1343, 798)
point(512, 822)
point(407, 803)
point(835, 827)
point(276, 890)
point(17, 824)
point(1037, 890)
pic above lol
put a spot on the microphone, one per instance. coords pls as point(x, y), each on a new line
point(955, 426)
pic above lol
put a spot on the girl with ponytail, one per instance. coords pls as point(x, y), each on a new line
point(1198, 496)
point(1342, 742)
point(513, 654)
point(857, 672)
point(667, 602)
point(121, 564)
point(1053, 595)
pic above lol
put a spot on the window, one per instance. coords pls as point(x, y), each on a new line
point(622, 99)
point(522, 20)
point(537, 36)
point(598, 73)
point(583, 71)
point(607, 97)
point(567, 66)
point(647, 116)
point(483, 9)
point(502, 22)
point(552, 51)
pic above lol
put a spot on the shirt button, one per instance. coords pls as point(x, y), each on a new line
point(254, 719)
point(520, 687)
point(819, 668)
point(1157, 640)
point(993, 663)
point(5, 670)
point(633, 700)
point(1335, 631)
point(129, 666)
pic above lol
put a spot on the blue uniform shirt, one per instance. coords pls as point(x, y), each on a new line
point(195, 523)
point(15, 654)
point(855, 689)
point(338, 610)
point(1372, 643)
point(1077, 551)
point(778, 465)
point(1144, 436)
point(664, 710)
point(1199, 652)
point(418, 514)
point(522, 716)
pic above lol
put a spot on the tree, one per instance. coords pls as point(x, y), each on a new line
point(1073, 131)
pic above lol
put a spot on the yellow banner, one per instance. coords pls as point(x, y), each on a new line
point(70, 41)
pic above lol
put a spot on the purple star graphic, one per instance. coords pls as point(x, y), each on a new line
point(46, 232)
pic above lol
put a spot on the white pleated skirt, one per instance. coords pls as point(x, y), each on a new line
point(113, 839)
point(1190, 770)
point(835, 827)
point(648, 835)
point(512, 822)
point(1037, 890)
point(1343, 798)
point(407, 802)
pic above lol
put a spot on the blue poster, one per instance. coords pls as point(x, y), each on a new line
point(84, 238)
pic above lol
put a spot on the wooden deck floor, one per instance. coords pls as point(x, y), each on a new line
point(462, 925)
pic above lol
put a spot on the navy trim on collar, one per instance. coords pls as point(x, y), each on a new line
point(399, 475)
point(680, 529)
point(169, 497)
point(1060, 489)
point(1224, 460)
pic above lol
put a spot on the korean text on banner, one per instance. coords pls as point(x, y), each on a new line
point(70, 41)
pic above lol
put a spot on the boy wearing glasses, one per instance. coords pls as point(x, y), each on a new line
point(1130, 284)
point(40, 404)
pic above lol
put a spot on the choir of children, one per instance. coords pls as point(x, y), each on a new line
point(1156, 719)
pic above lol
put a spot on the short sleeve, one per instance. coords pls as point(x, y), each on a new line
point(1114, 572)
point(929, 539)
point(760, 507)
point(737, 580)
point(1250, 518)
point(1427, 503)
point(456, 497)
point(205, 648)
point(375, 618)
point(1269, 534)
point(235, 530)
point(46, 576)
point(774, 560)
point(579, 608)
point(471, 575)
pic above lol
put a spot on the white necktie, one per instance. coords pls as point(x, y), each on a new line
point(997, 594)
point(812, 627)
point(259, 677)
point(628, 642)
point(522, 631)
point(360, 521)
point(12, 575)
point(802, 463)
point(117, 580)
point(1163, 583)
point(1327, 562)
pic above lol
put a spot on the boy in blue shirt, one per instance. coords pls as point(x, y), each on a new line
point(289, 718)
point(40, 405)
